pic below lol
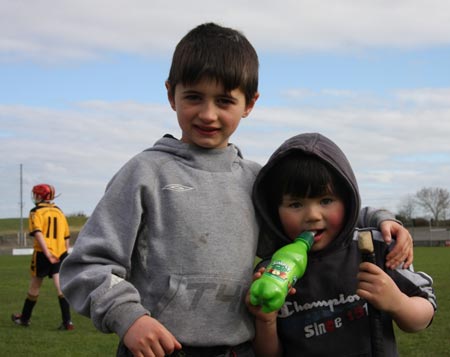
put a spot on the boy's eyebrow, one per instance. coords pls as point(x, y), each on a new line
point(194, 91)
point(188, 90)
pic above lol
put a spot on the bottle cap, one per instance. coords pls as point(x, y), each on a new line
point(307, 237)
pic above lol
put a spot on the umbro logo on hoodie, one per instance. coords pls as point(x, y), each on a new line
point(177, 187)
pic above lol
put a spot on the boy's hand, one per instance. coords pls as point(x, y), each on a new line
point(266, 342)
point(377, 287)
point(264, 317)
point(147, 337)
point(403, 249)
point(256, 310)
point(52, 259)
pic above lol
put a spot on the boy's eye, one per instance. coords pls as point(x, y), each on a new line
point(327, 201)
point(225, 101)
point(192, 97)
point(295, 204)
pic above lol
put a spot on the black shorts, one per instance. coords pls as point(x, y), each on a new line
point(41, 266)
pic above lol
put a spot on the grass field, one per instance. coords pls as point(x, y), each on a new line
point(43, 339)
point(434, 341)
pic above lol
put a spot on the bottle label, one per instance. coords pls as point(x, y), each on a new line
point(278, 270)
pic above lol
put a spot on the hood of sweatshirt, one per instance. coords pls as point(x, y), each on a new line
point(273, 237)
point(214, 160)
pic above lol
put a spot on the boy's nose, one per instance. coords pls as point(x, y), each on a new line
point(208, 112)
point(313, 213)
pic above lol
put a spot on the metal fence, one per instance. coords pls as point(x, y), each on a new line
point(430, 237)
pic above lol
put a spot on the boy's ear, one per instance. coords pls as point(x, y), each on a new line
point(170, 96)
point(250, 105)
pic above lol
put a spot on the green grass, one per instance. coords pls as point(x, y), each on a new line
point(8, 225)
point(435, 340)
point(43, 339)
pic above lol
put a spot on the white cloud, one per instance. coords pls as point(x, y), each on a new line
point(50, 31)
point(298, 93)
point(397, 142)
point(79, 149)
point(425, 96)
point(393, 152)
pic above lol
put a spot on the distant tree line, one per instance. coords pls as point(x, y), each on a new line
point(428, 206)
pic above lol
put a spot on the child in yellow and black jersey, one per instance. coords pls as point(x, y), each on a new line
point(48, 219)
point(50, 230)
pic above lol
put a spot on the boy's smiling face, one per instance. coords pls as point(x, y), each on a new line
point(208, 115)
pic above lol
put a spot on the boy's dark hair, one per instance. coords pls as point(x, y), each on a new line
point(304, 176)
point(219, 53)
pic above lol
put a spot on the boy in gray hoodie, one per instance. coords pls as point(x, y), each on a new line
point(166, 258)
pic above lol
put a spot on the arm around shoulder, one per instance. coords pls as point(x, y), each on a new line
point(373, 217)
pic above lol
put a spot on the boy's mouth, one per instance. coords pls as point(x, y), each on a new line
point(206, 130)
point(318, 234)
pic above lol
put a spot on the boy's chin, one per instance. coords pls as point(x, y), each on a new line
point(320, 243)
point(209, 144)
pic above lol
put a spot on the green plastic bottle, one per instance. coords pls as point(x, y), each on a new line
point(288, 264)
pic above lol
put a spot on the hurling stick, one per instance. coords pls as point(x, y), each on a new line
point(365, 245)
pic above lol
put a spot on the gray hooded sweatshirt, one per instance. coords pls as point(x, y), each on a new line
point(173, 237)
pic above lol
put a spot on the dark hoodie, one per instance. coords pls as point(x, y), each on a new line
point(325, 317)
point(327, 151)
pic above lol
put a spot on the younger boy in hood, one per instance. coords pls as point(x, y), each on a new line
point(308, 184)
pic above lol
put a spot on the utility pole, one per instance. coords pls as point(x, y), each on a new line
point(22, 240)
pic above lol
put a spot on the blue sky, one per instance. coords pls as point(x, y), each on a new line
point(82, 88)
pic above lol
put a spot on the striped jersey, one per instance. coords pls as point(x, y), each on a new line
point(51, 221)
